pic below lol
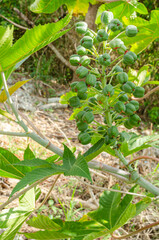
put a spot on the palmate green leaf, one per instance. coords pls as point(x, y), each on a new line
point(137, 143)
point(32, 41)
point(13, 218)
point(28, 154)
point(95, 150)
point(56, 228)
point(44, 222)
point(12, 89)
point(46, 235)
point(120, 9)
point(36, 175)
point(113, 212)
point(6, 39)
point(6, 167)
point(148, 31)
point(68, 158)
point(79, 168)
point(36, 162)
point(50, 6)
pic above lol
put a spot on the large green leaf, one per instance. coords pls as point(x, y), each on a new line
point(13, 218)
point(49, 6)
point(73, 166)
point(6, 39)
point(148, 31)
point(54, 228)
point(33, 40)
point(36, 175)
point(79, 168)
point(6, 167)
point(120, 9)
point(113, 212)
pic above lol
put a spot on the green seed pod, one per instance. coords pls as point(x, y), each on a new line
point(82, 126)
point(121, 137)
point(81, 50)
point(80, 115)
point(73, 86)
point(106, 17)
point(130, 109)
point(102, 35)
point(108, 90)
point(119, 107)
point(122, 49)
point(85, 61)
point(139, 92)
point(109, 141)
point(115, 25)
point(101, 98)
point(101, 130)
point(75, 60)
point(81, 87)
point(124, 98)
point(122, 77)
point(135, 120)
point(81, 27)
point(117, 69)
point(128, 87)
point(118, 45)
point(127, 124)
point(92, 101)
point(119, 117)
point(104, 59)
point(88, 117)
point(91, 79)
point(82, 96)
point(81, 72)
point(90, 33)
point(129, 58)
point(87, 109)
point(74, 101)
point(135, 103)
point(98, 85)
point(84, 138)
point(131, 31)
point(87, 42)
point(113, 132)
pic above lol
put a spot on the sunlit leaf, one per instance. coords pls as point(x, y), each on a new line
point(12, 89)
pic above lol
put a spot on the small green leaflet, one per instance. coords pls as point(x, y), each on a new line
point(75, 167)
point(13, 218)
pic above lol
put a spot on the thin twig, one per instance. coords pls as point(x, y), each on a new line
point(15, 24)
point(147, 94)
point(21, 192)
point(137, 231)
point(142, 158)
point(111, 190)
point(50, 190)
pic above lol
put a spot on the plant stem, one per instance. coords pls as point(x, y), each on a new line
point(137, 231)
point(18, 134)
point(136, 177)
point(50, 190)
